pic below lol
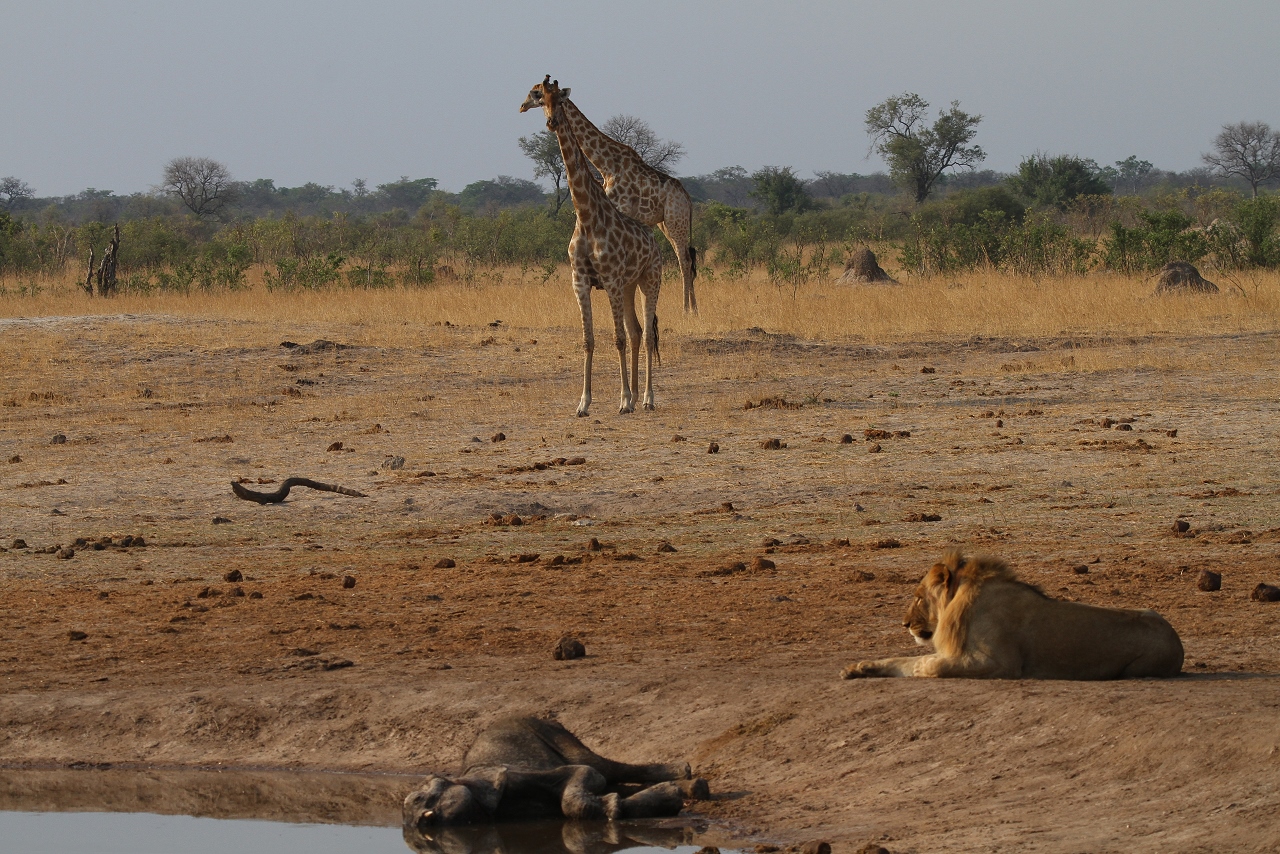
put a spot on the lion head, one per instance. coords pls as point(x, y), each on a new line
point(943, 595)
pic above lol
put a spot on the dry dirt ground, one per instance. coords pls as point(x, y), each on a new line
point(147, 655)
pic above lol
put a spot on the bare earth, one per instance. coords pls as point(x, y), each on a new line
point(699, 653)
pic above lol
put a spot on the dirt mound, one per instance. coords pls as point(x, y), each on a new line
point(1179, 277)
point(861, 268)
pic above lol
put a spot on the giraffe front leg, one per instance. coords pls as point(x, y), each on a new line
point(583, 291)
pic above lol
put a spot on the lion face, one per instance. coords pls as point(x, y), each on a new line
point(931, 593)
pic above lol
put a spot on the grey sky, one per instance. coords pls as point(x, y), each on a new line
point(103, 94)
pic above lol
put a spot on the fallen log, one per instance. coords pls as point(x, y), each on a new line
point(289, 483)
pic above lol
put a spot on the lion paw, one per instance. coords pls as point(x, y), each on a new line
point(861, 670)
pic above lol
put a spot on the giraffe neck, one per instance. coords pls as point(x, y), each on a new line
point(607, 154)
point(587, 195)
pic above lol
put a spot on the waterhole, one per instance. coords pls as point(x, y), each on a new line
point(119, 811)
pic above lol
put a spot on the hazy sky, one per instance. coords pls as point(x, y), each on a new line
point(103, 94)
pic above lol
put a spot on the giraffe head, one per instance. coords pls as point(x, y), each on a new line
point(546, 95)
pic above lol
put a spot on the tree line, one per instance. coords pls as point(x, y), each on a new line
point(202, 229)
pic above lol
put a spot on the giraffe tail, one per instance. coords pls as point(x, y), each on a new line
point(653, 339)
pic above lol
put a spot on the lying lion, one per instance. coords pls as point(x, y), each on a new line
point(522, 769)
point(984, 623)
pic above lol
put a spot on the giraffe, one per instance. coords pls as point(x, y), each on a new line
point(611, 251)
point(640, 191)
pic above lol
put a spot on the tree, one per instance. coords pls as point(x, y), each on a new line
point(409, 194)
point(1130, 172)
point(15, 192)
point(1248, 150)
point(544, 150)
point(779, 190)
point(917, 154)
point(1055, 181)
point(203, 185)
point(505, 192)
point(661, 154)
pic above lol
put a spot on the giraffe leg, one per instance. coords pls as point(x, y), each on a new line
point(583, 290)
point(650, 295)
point(626, 404)
point(676, 225)
point(633, 337)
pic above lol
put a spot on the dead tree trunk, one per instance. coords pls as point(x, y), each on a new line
point(88, 277)
point(107, 272)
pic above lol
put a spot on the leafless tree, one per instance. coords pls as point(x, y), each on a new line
point(203, 185)
point(15, 192)
point(544, 150)
point(661, 154)
point(1249, 150)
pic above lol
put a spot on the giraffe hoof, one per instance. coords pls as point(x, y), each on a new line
point(582, 413)
point(649, 407)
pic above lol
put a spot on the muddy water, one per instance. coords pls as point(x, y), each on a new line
point(119, 811)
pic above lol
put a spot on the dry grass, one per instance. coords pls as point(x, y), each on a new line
point(977, 304)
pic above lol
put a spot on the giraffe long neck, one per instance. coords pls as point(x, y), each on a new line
point(587, 195)
point(607, 154)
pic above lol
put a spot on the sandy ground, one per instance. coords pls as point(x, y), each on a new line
point(148, 656)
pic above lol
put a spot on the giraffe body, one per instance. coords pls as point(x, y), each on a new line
point(640, 191)
point(611, 251)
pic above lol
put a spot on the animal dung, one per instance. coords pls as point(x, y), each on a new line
point(1265, 593)
point(348, 581)
point(58, 439)
point(445, 563)
point(76, 635)
point(846, 439)
point(666, 548)
point(569, 648)
point(233, 576)
point(773, 444)
point(1080, 569)
point(498, 437)
point(762, 563)
point(393, 463)
point(713, 448)
point(66, 553)
point(1209, 581)
point(874, 449)
point(336, 446)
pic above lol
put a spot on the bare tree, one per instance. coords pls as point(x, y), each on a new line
point(661, 154)
point(15, 192)
point(918, 154)
point(544, 150)
point(203, 185)
point(1248, 150)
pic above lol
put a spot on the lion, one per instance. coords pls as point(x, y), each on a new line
point(986, 624)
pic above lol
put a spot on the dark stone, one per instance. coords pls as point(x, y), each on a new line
point(1209, 580)
point(568, 649)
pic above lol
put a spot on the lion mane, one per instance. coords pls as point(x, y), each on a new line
point(985, 623)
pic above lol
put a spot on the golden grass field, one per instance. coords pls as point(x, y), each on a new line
point(1062, 424)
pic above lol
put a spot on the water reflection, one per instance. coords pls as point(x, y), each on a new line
point(551, 837)
point(144, 811)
